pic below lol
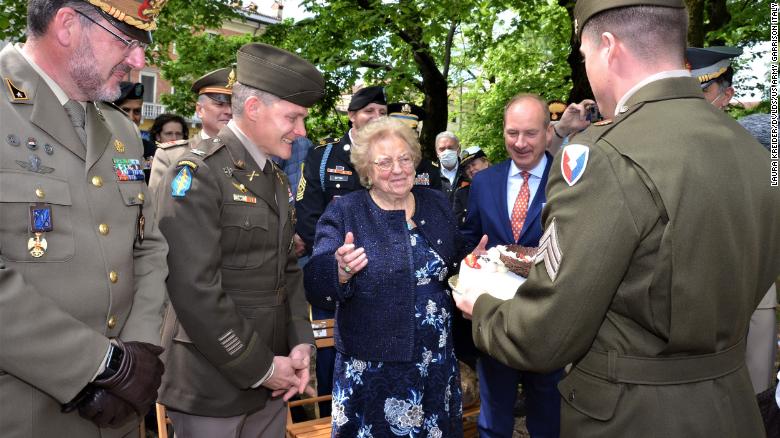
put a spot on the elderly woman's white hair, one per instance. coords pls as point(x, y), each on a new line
point(379, 129)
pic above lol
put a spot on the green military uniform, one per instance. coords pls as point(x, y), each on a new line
point(654, 256)
point(97, 273)
point(234, 282)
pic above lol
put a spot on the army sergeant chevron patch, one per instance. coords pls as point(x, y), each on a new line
point(550, 251)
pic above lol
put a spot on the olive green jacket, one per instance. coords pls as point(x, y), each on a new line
point(234, 281)
point(662, 249)
point(96, 279)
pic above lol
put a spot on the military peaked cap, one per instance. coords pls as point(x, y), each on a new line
point(136, 18)
point(711, 63)
point(470, 154)
point(217, 84)
point(584, 10)
point(367, 95)
point(410, 113)
point(279, 72)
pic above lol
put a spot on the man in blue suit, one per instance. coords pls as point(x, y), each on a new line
point(506, 204)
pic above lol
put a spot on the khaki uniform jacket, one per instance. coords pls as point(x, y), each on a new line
point(96, 280)
point(648, 272)
point(234, 280)
point(167, 153)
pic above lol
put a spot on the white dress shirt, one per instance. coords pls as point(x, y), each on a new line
point(515, 182)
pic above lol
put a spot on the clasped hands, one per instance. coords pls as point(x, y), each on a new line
point(291, 374)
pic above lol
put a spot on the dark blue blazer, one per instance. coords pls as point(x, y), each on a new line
point(375, 309)
point(487, 211)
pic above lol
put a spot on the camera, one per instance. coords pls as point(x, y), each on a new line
point(592, 113)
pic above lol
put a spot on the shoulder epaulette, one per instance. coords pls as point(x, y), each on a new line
point(326, 141)
point(114, 106)
point(169, 144)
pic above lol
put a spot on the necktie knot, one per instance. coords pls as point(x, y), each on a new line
point(525, 175)
point(78, 118)
point(76, 113)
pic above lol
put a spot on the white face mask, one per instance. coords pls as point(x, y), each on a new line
point(448, 158)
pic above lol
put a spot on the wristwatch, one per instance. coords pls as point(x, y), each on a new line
point(115, 356)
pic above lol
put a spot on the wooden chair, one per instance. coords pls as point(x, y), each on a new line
point(319, 426)
point(163, 422)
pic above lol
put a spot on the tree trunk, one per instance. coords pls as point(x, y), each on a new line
point(580, 86)
point(436, 105)
point(695, 22)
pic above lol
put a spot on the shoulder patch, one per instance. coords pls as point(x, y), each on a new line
point(112, 105)
point(182, 182)
point(169, 144)
point(192, 165)
point(574, 160)
point(15, 93)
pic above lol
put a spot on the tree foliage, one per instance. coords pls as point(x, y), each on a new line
point(13, 20)
point(460, 59)
point(525, 59)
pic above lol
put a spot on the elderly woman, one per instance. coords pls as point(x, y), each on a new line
point(383, 256)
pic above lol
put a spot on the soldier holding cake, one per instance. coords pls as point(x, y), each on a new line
point(654, 255)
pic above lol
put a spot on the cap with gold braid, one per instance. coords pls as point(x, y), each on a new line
point(410, 113)
point(136, 18)
point(711, 63)
point(585, 9)
point(279, 72)
point(217, 84)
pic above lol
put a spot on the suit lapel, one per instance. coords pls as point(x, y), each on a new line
point(98, 135)
point(282, 195)
point(50, 117)
point(499, 193)
point(47, 112)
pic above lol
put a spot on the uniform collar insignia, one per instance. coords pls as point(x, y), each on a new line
point(16, 93)
point(574, 160)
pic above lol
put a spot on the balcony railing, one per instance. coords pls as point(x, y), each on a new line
point(150, 111)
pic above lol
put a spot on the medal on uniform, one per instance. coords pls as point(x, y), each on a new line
point(141, 225)
point(40, 222)
point(128, 169)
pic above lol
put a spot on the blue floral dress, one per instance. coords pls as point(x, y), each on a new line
point(410, 399)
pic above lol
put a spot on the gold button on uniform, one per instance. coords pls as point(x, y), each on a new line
point(103, 228)
point(141, 197)
point(111, 322)
point(40, 193)
point(113, 276)
point(97, 181)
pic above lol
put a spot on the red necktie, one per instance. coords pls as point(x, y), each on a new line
point(521, 207)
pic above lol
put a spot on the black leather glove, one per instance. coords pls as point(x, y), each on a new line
point(105, 409)
point(138, 376)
